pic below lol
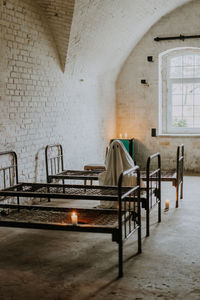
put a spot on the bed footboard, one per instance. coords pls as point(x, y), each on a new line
point(179, 172)
point(153, 188)
point(54, 160)
point(130, 220)
point(8, 170)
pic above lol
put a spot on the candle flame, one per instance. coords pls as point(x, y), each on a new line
point(73, 214)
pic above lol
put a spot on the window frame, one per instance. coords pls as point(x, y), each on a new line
point(165, 91)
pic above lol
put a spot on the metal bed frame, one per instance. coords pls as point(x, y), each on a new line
point(152, 197)
point(55, 171)
point(128, 212)
point(55, 167)
point(174, 176)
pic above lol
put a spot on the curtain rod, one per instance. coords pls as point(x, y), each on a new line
point(179, 37)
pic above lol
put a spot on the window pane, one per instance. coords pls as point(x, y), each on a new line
point(177, 111)
point(188, 122)
point(197, 123)
point(188, 72)
point(197, 111)
point(187, 99)
point(196, 99)
point(197, 60)
point(188, 88)
point(176, 72)
point(188, 60)
point(178, 122)
point(197, 72)
point(187, 111)
point(176, 99)
point(177, 88)
point(176, 61)
point(197, 88)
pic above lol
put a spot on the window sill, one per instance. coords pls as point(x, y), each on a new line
point(179, 135)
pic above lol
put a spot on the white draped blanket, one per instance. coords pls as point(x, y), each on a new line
point(117, 161)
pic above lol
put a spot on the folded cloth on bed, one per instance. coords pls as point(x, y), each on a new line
point(117, 161)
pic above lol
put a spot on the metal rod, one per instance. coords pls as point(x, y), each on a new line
point(179, 37)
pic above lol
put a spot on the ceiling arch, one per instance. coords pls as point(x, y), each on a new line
point(59, 14)
point(103, 33)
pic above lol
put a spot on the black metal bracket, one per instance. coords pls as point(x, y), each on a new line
point(156, 193)
point(134, 216)
point(179, 37)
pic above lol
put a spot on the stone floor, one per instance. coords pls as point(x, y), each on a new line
point(37, 264)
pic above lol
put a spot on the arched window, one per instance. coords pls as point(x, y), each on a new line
point(180, 92)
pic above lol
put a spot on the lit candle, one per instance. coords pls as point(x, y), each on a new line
point(167, 204)
point(125, 135)
point(74, 218)
point(120, 136)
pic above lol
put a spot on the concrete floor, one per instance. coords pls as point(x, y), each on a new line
point(36, 264)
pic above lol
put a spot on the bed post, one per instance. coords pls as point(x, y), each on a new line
point(16, 171)
point(47, 164)
point(147, 206)
point(177, 175)
point(120, 242)
point(182, 168)
point(139, 215)
point(159, 188)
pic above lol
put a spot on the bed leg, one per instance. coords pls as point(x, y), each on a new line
point(18, 203)
point(177, 194)
point(159, 205)
point(147, 221)
point(139, 239)
point(159, 211)
point(139, 229)
point(181, 190)
point(120, 258)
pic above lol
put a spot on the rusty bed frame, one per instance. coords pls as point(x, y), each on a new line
point(55, 171)
point(128, 212)
point(55, 167)
point(174, 176)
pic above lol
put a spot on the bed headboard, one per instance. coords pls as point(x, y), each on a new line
point(53, 160)
point(8, 169)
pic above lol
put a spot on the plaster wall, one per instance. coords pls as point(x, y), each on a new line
point(137, 104)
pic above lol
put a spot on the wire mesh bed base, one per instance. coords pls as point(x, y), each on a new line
point(59, 218)
point(121, 222)
point(76, 175)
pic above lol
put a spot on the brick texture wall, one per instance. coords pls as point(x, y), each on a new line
point(40, 105)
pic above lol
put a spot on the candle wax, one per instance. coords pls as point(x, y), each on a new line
point(167, 204)
point(74, 218)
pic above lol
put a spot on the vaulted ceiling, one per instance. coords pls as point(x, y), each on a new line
point(59, 14)
point(103, 32)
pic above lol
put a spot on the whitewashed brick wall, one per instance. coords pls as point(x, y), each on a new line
point(137, 104)
point(39, 104)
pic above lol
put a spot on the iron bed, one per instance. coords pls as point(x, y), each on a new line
point(54, 162)
point(151, 194)
point(174, 176)
point(121, 223)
